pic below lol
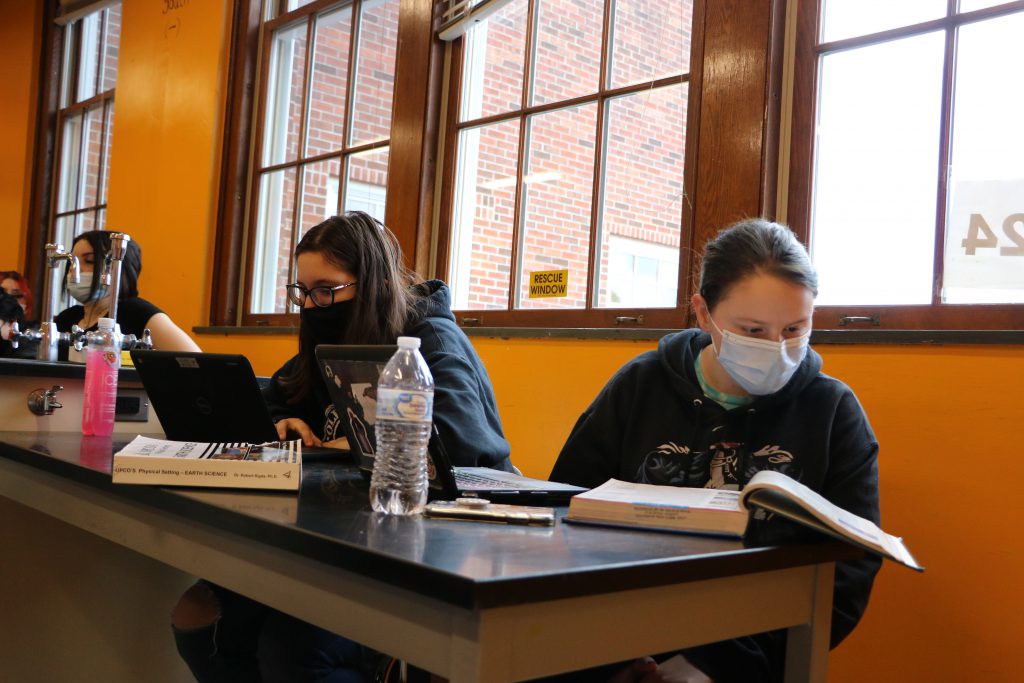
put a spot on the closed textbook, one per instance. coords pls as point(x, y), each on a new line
point(726, 513)
point(275, 465)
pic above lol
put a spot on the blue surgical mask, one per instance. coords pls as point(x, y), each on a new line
point(81, 291)
point(760, 366)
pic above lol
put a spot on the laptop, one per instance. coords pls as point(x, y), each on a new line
point(210, 397)
point(351, 373)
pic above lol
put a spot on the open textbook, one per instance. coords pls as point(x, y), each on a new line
point(272, 465)
point(726, 513)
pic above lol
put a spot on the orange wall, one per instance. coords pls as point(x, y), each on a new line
point(19, 54)
point(947, 417)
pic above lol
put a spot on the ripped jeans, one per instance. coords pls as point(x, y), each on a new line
point(252, 643)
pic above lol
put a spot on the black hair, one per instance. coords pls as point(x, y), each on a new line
point(750, 247)
point(131, 264)
point(384, 300)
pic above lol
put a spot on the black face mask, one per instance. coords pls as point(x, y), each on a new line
point(327, 325)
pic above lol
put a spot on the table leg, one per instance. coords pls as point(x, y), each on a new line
point(807, 644)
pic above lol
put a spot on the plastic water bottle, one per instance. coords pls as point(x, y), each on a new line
point(102, 361)
point(405, 401)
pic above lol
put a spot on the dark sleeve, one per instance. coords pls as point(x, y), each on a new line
point(466, 413)
point(133, 315)
point(851, 483)
point(68, 317)
point(310, 411)
point(591, 454)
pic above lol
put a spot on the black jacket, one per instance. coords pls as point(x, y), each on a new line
point(652, 423)
point(465, 411)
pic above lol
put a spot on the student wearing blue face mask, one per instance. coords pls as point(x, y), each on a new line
point(713, 406)
point(134, 314)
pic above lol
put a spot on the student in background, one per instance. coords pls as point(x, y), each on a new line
point(134, 314)
point(16, 306)
point(713, 406)
point(351, 288)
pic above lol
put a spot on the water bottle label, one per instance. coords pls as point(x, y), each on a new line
point(110, 358)
point(403, 404)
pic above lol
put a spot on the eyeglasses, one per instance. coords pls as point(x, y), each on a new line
point(321, 296)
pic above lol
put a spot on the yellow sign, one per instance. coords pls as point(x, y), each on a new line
point(545, 284)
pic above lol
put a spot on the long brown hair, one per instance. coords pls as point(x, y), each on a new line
point(384, 300)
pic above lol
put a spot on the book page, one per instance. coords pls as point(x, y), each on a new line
point(617, 491)
point(782, 494)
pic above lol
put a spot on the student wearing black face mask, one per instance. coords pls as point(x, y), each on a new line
point(351, 288)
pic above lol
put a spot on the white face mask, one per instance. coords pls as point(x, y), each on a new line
point(760, 366)
point(80, 291)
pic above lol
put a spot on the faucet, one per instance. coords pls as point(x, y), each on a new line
point(48, 334)
point(111, 275)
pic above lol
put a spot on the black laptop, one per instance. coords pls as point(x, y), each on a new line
point(351, 373)
point(212, 397)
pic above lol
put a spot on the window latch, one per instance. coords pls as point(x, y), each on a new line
point(629, 320)
point(845, 320)
point(471, 322)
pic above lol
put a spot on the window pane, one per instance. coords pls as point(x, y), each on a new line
point(493, 63)
point(70, 160)
point(984, 255)
point(64, 232)
point(296, 4)
point(273, 248)
point(567, 49)
point(876, 172)
point(107, 138)
point(319, 194)
point(366, 188)
point(642, 194)
point(484, 211)
point(111, 48)
point(375, 71)
point(328, 91)
point(848, 18)
point(283, 115)
point(650, 40)
point(969, 5)
point(86, 222)
point(91, 158)
point(88, 56)
point(557, 198)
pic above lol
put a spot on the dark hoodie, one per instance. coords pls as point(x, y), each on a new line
point(652, 423)
point(465, 411)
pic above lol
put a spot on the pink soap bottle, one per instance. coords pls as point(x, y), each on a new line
point(102, 361)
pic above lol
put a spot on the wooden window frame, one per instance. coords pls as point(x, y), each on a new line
point(932, 316)
point(734, 79)
point(48, 143)
point(412, 143)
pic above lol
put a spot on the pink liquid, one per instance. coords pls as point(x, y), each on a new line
point(100, 392)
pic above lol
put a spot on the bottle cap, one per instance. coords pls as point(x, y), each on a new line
point(106, 323)
point(409, 342)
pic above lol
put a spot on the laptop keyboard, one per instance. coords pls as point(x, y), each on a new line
point(470, 481)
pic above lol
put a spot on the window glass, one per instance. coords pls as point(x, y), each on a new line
point(566, 49)
point(847, 18)
point(283, 121)
point(557, 199)
point(650, 40)
point(484, 216)
point(876, 171)
point(366, 182)
point(493, 64)
point(984, 252)
point(111, 48)
point(273, 248)
point(642, 189)
point(319, 194)
point(328, 94)
point(375, 71)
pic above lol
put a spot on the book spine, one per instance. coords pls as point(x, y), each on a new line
point(128, 469)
